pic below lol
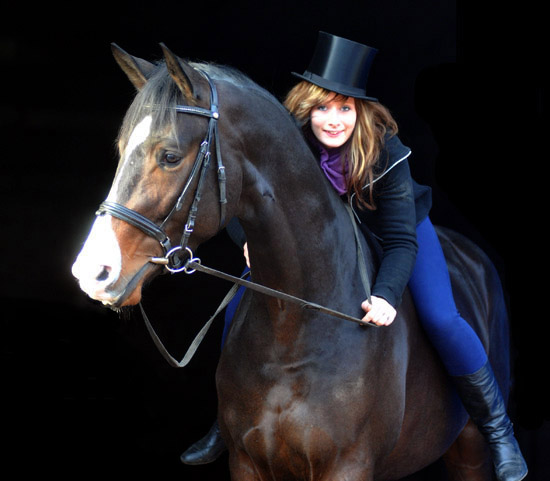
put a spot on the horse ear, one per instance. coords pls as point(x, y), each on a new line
point(137, 69)
point(180, 72)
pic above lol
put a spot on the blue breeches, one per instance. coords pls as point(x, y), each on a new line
point(455, 341)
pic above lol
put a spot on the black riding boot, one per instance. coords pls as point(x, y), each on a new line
point(483, 401)
point(207, 450)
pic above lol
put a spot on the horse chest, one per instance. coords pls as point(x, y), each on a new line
point(295, 404)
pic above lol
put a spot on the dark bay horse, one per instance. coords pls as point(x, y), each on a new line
point(302, 395)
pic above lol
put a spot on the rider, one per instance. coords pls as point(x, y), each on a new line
point(354, 137)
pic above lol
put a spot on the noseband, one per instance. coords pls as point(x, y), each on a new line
point(171, 259)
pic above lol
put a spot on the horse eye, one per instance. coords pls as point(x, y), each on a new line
point(170, 158)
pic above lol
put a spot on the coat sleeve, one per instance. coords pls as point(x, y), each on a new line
point(394, 223)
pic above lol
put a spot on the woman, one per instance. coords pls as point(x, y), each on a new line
point(364, 160)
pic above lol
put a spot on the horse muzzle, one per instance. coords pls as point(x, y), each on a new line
point(112, 292)
point(100, 270)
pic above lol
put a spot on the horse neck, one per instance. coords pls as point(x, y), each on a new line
point(299, 235)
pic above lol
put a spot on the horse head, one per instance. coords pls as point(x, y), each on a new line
point(163, 155)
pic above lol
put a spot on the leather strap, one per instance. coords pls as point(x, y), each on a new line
point(136, 219)
point(278, 294)
point(360, 254)
point(194, 264)
point(198, 338)
point(238, 281)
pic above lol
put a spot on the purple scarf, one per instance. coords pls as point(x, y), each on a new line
point(331, 163)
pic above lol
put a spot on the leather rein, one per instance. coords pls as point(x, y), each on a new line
point(171, 259)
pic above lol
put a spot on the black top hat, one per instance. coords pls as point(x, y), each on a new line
point(340, 65)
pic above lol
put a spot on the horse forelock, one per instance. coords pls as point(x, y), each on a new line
point(156, 98)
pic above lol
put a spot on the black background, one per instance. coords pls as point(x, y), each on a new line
point(84, 391)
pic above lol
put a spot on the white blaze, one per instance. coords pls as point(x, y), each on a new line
point(139, 135)
point(100, 261)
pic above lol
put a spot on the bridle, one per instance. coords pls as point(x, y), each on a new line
point(171, 259)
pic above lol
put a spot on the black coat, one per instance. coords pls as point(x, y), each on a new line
point(401, 204)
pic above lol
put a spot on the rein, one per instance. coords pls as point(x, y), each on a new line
point(171, 260)
point(194, 264)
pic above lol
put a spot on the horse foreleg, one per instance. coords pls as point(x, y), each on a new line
point(468, 458)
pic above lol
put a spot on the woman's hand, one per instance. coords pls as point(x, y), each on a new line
point(379, 311)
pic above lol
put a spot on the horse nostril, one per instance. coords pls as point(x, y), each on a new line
point(104, 274)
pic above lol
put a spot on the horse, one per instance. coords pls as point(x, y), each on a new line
point(302, 395)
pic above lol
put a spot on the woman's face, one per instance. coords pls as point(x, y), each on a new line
point(333, 122)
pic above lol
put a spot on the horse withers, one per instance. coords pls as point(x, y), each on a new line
point(302, 395)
